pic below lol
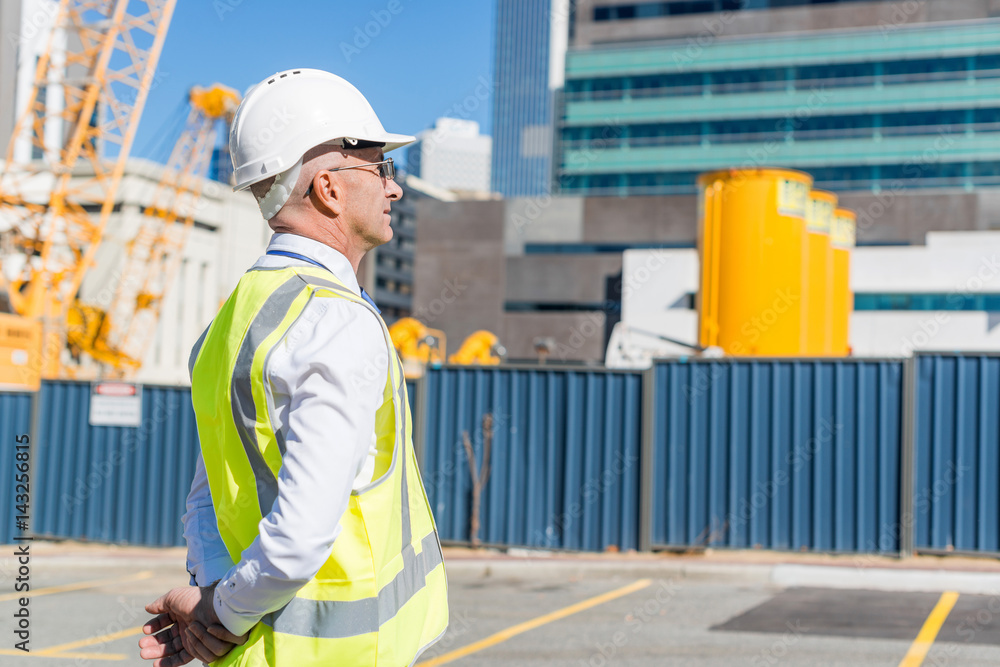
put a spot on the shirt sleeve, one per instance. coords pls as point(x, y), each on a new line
point(332, 366)
point(207, 557)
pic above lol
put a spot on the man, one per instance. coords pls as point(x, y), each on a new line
point(309, 534)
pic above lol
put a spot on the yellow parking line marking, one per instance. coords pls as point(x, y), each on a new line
point(925, 639)
point(51, 590)
point(504, 635)
point(70, 656)
point(91, 641)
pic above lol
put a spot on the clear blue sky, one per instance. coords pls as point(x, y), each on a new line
point(427, 58)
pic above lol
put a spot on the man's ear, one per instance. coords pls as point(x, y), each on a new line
point(327, 193)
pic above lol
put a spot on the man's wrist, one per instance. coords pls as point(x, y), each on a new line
point(206, 608)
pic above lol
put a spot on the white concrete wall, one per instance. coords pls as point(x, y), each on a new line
point(957, 263)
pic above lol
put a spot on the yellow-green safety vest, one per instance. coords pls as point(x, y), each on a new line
point(381, 597)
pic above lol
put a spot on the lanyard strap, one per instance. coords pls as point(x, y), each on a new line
point(295, 255)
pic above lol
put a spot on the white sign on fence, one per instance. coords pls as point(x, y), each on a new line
point(115, 404)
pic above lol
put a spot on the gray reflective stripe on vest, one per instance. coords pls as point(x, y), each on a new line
point(326, 619)
point(269, 318)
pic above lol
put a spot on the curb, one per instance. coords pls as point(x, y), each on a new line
point(780, 575)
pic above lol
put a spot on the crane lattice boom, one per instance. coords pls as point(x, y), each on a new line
point(90, 85)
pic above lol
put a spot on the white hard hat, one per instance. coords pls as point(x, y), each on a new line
point(287, 114)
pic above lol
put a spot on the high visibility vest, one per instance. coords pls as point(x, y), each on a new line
point(381, 596)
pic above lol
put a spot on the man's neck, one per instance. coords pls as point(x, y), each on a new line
point(333, 239)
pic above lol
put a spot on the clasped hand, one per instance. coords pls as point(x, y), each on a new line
point(185, 627)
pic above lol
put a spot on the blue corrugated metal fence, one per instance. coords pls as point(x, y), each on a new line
point(796, 454)
point(113, 483)
point(777, 453)
point(565, 461)
point(956, 485)
point(15, 418)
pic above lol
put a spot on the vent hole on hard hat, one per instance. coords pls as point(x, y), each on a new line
point(282, 76)
point(297, 72)
point(271, 81)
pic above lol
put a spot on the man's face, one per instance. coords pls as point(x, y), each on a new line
point(369, 197)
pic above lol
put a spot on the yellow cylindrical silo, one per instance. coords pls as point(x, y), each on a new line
point(842, 240)
point(819, 273)
point(752, 246)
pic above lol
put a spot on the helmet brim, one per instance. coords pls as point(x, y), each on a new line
point(394, 141)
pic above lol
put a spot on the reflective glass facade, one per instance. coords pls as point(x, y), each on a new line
point(522, 104)
point(911, 107)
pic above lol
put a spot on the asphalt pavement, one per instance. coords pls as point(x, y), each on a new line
point(563, 610)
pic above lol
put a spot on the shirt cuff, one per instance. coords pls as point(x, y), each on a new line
point(211, 570)
point(237, 618)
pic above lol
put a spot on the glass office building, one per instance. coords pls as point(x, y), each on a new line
point(893, 106)
point(531, 39)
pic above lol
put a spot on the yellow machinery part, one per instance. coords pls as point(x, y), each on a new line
point(819, 273)
point(417, 345)
point(479, 348)
point(216, 101)
point(752, 247)
point(20, 353)
point(842, 240)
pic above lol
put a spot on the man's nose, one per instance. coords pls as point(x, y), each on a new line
point(393, 191)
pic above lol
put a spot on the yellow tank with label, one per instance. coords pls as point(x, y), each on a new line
point(752, 247)
point(819, 273)
point(842, 240)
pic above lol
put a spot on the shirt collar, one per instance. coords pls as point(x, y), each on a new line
point(332, 259)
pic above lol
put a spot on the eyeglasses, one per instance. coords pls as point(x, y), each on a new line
point(386, 171)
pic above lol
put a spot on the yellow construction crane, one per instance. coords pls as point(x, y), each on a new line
point(118, 335)
point(89, 89)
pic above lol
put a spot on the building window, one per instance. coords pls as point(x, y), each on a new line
point(839, 75)
point(748, 80)
point(953, 301)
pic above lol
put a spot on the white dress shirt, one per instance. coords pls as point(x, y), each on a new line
point(326, 378)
